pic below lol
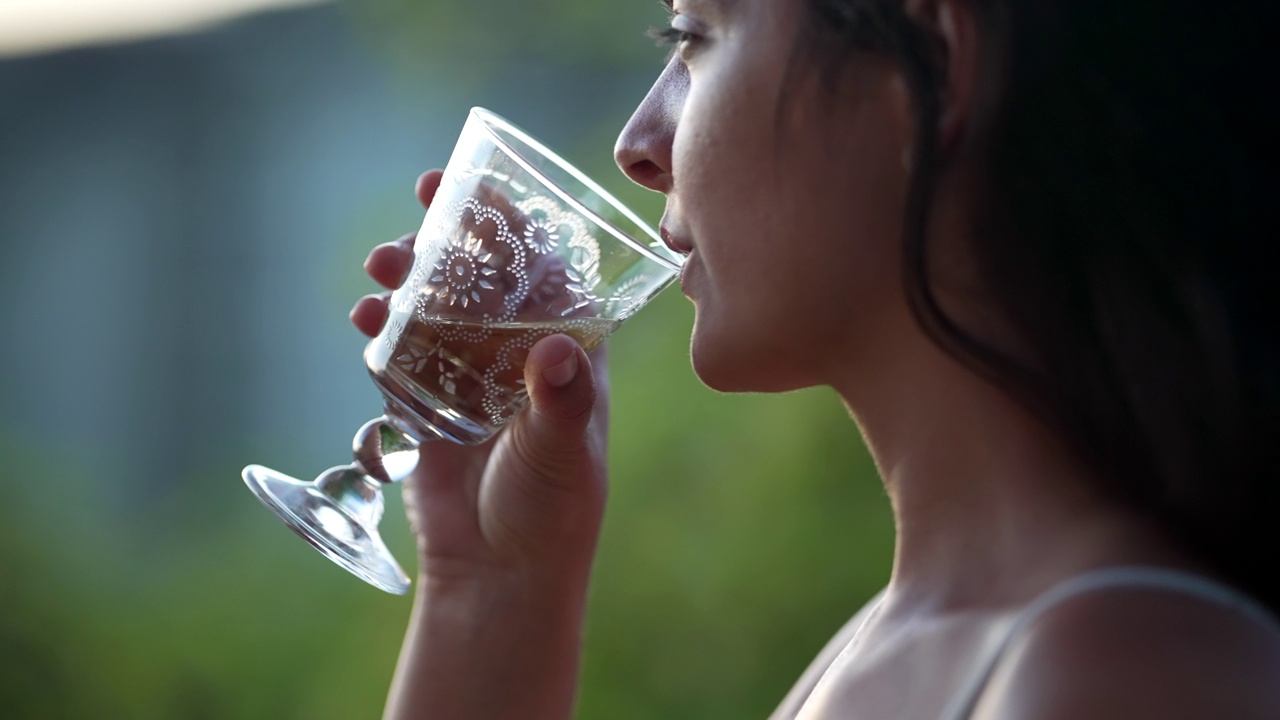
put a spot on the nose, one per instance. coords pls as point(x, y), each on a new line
point(643, 150)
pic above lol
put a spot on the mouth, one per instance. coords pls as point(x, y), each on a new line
point(677, 243)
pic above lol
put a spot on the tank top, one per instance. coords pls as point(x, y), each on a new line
point(963, 703)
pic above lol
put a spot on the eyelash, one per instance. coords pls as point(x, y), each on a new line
point(669, 36)
point(672, 38)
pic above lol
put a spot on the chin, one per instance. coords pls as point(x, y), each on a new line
point(732, 365)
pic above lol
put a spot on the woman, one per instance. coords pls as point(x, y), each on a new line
point(1026, 243)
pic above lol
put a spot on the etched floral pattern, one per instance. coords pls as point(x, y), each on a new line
point(414, 359)
point(503, 400)
point(624, 297)
point(463, 272)
point(543, 222)
point(477, 266)
point(391, 335)
point(502, 254)
point(449, 375)
point(583, 271)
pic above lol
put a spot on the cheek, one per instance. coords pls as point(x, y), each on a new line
point(800, 275)
point(726, 137)
point(797, 228)
point(841, 201)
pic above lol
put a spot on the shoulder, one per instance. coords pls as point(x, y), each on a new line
point(803, 688)
point(1138, 652)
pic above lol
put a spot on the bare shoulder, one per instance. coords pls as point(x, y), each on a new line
point(799, 693)
point(1137, 653)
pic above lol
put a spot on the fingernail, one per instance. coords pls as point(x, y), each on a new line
point(562, 373)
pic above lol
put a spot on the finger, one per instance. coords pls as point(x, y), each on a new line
point(389, 263)
point(600, 374)
point(552, 436)
point(442, 497)
point(428, 183)
point(370, 312)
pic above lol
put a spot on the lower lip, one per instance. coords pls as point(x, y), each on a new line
point(685, 270)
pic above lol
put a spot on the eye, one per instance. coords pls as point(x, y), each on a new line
point(670, 36)
point(679, 36)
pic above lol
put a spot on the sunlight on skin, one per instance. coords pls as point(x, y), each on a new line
point(36, 26)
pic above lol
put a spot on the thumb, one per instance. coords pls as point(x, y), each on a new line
point(553, 434)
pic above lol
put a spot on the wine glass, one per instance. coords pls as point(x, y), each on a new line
point(517, 245)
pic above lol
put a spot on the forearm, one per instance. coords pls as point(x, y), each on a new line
point(497, 650)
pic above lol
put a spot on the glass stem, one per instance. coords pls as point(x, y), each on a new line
point(374, 442)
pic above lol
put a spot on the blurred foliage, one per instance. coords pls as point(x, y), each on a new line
point(741, 532)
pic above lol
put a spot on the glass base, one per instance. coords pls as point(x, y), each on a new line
point(330, 528)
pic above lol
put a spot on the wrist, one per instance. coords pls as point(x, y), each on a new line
point(495, 647)
point(536, 571)
point(501, 596)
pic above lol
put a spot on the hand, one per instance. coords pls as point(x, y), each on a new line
point(506, 533)
point(528, 502)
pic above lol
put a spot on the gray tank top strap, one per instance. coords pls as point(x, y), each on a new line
point(962, 704)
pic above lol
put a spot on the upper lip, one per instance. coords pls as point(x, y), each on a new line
point(678, 243)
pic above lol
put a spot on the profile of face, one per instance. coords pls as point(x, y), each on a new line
point(786, 193)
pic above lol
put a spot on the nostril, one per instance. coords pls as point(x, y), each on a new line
point(645, 168)
point(648, 174)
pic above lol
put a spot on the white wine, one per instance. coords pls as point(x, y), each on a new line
point(463, 380)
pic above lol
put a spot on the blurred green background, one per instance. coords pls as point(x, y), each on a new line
point(183, 221)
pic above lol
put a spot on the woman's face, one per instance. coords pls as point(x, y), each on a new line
point(787, 194)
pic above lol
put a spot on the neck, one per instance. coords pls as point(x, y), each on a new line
point(990, 508)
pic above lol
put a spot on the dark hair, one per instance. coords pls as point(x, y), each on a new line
point(1130, 200)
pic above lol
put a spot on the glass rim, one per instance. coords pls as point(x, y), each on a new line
point(490, 121)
